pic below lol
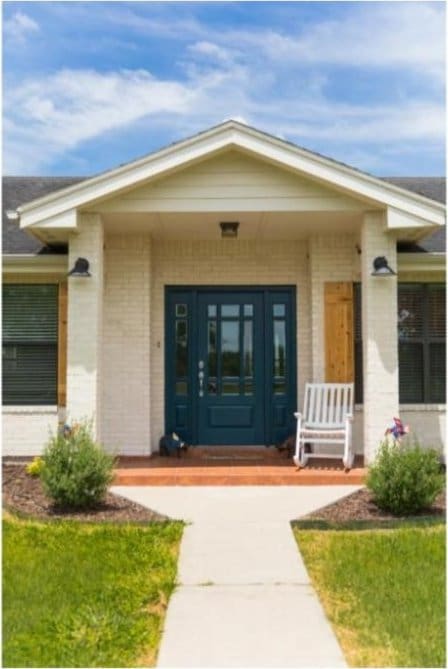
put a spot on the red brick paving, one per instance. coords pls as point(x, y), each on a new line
point(233, 466)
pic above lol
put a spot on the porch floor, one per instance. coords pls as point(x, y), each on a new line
point(234, 465)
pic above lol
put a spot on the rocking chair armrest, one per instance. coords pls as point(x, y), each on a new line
point(297, 414)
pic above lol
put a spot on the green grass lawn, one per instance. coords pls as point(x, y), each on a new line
point(383, 591)
point(85, 595)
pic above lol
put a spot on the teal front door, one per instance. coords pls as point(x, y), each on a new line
point(230, 365)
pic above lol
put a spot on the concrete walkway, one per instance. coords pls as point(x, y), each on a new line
point(244, 597)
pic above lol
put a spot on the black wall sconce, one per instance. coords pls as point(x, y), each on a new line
point(229, 228)
point(80, 268)
point(381, 267)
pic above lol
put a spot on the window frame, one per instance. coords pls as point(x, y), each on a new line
point(425, 340)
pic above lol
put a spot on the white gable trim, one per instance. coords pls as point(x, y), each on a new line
point(235, 135)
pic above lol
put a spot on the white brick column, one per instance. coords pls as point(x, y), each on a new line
point(379, 332)
point(85, 306)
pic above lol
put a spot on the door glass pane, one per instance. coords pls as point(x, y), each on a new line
point(279, 310)
point(181, 348)
point(230, 349)
point(181, 388)
point(248, 349)
point(211, 310)
point(181, 310)
point(212, 348)
point(230, 310)
point(231, 387)
point(249, 386)
point(248, 310)
point(212, 385)
point(279, 387)
point(279, 348)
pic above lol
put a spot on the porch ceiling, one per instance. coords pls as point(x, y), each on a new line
point(253, 225)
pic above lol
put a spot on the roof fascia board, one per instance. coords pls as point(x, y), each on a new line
point(124, 178)
point(225, 136)
point(35, 264)
point(356, 183)
point(66, 220)
point(399, 220)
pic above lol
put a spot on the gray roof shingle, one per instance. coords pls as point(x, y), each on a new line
point(435, 189)
point(19, 190)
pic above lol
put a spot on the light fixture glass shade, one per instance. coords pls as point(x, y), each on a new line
point(381, 267)
point(80, 268)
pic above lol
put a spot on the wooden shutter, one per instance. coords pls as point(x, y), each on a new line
point(358, 355)
point(338, 332)
point(62, 345)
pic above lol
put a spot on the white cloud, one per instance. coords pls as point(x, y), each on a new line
point(212, 52)
point(48, 116)
point(407, 35)
point(19, 27)
point(274, 80)
point(56, 113)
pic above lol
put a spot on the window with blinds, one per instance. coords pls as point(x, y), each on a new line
point(30, 344)
point(421, 343)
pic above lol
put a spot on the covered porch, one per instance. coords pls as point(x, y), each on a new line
point(308, 232)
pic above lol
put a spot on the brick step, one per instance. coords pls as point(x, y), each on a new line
point(208, 476)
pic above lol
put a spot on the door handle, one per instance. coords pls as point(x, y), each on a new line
point(201, 383)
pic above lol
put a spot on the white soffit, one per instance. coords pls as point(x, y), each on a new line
point(35, 264)
point(421, 262)
point(232, 135)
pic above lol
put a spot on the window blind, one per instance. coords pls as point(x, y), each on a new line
point(30, 338)
point(421, 323)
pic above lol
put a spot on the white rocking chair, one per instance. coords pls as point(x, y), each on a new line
point(327, 419)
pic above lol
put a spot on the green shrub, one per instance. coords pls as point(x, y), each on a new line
point(76, 471)
point(34, 468)
point(405, 479)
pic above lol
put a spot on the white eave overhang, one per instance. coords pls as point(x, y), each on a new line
point(23, 263)
point(421, 262)
point(405, 209)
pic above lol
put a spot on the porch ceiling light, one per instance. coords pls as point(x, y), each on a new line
point(80, 268)
point(381, 267)
point(229, 228)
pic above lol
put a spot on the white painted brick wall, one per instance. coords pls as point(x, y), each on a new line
point(380, 344)
point(427, 424)
point(125, 420)
point(85, 304)
point(25, 430)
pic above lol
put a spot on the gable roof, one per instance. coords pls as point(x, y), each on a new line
point(18, 191)
point(404, 208)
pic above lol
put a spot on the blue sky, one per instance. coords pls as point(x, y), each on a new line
point(90, 85)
